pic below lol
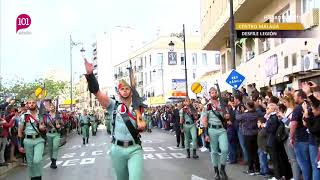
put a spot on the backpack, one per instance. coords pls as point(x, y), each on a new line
point(281, 133)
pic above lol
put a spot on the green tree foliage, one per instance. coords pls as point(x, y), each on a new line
point(21, 90)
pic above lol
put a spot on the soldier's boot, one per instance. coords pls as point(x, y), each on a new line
point(36, 178)
point(223, 172)
point(216, 173)
point(195, 156)
point(188, 153)
point(87, 140)
point(53, 164)
point(84, 141)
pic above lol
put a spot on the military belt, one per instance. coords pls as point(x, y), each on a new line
point(215, 126)
point(52, 131)
point(122, 143)
point(33, 136)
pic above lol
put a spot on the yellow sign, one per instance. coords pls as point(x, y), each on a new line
point(196, 87)
point(68, 102)
point(40, 92)
point(156, 100)
point(269, 26)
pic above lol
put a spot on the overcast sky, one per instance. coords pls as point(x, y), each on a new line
point(29, 56)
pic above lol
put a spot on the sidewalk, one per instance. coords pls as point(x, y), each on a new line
point(4, 170)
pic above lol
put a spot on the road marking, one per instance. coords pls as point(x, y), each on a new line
point(70, 162)
point(163, 156)
point(108, 152)
point(87, 161)
point(162, 149)
point(178, 155)
point(148, 156)
point(68, 155)
point(57, 163)
point(82, 154)
point(194, 177)
point(97, 153)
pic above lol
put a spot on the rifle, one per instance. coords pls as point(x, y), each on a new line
point(222, 104)
point(136, 99)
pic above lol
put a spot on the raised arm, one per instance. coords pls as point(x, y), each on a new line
point(94, 85)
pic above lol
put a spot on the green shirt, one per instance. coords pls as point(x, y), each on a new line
point(185, 116)
point(29, 130)
point(121, 131)
point(212, 118)
point(84, 119)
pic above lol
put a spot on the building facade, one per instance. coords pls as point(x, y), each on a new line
point(160, 73)
point(279, 62)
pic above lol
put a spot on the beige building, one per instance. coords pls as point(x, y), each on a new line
point(160, 72)
point(279, 62)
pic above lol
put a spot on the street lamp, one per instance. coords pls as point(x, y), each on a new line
point(72, 44)
point(171, 48)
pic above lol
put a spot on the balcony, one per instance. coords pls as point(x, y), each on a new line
point(215, 24)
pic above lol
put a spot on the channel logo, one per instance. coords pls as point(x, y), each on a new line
point(23, 21)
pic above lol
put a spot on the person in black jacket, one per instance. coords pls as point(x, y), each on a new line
point(278, 155)
point(176, 121)
point(249, 128)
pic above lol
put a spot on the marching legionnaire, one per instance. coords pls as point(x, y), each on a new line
point(53, 122)
point(85, 124)
point(212, 116)
point(33, 127)
point(107, 120)
point(148, 116)
point(188, 116)
point(94, 124)
point(126, 150)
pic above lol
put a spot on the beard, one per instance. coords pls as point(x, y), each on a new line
point(214, 97)
point(32, 108)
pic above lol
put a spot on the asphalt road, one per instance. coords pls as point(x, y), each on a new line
point(162, 161)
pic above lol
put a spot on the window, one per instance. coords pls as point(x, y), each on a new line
point(194, 58)
point(204, 59)
point(150, 60)
point(286, 60)
point(145, 61)
point(194, 73)
point(146, 77)
point(160, 58)
point(308, 5)
point(294, 59)
point(150, 76)
point(217, 59)
point(182, 58)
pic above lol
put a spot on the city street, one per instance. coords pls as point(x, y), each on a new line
point(162, 161)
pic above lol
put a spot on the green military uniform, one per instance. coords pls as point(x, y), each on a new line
point(217, 135)
point(84, 123)
point(107, 121)
point(147, 117)
point(53, 137)
point(33, 145)
point(127, 160)
point(190, 132)
point(94, 124)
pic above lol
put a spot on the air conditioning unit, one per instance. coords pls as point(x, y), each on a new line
point(311, 18)
point(299, 64)
point(310, 62)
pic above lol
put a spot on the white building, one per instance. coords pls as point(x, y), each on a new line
point(160, 73)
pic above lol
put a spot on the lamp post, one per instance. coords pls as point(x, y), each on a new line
point(72, 44)
point(171, 48)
